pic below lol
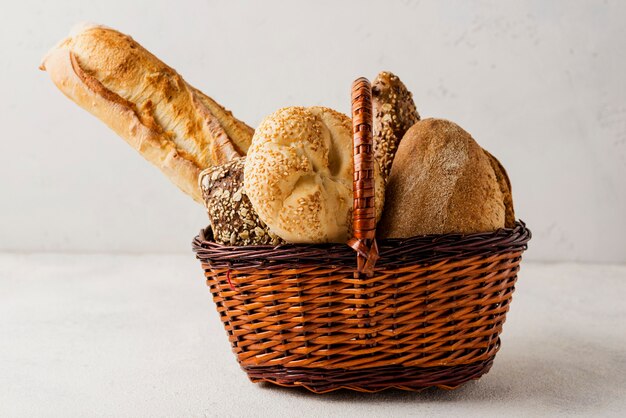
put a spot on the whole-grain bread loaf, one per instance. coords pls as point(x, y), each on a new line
point(299, 174)
point(233, 219)
point(394, 113)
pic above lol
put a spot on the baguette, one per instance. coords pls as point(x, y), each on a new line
point(173, 125)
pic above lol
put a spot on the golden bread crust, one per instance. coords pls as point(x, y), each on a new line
point(298, 175)
point(173, 125)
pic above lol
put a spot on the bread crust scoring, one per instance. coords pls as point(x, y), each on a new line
point(173, 125)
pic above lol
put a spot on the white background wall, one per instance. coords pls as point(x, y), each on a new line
point(539, 84)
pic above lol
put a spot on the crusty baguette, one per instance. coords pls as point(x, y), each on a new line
point(173, 125)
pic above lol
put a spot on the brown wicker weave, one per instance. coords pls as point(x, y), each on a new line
point(408, 314)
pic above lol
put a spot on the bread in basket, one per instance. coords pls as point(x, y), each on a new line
point(404, 313)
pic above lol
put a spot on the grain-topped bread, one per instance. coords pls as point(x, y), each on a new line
point(298, 174)
point(173, 125)
point(441, 182)
point(394, 113)
point(233, 219)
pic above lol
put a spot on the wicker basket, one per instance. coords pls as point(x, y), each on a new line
point(404, 313)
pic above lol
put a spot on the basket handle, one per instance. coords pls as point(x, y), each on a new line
point(364, 207)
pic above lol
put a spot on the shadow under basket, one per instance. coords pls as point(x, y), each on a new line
point(430, 315)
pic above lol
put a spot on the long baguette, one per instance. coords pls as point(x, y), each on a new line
point(173, 125)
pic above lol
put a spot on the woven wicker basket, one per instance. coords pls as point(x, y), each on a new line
point(404, 313)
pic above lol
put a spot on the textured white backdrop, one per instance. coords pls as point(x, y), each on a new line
point(539, 84)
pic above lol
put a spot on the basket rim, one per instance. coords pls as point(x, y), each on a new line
point(394, 253)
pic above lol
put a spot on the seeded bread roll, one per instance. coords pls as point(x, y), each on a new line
point(394, 113)
point(232, 217)
point(441, 182)
point(298, 175)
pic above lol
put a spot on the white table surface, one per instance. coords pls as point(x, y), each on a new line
point(137, 335)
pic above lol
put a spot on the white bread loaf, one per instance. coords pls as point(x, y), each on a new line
point(173, 125)
point(298, 175)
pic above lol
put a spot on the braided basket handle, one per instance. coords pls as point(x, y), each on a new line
point(364, 207)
